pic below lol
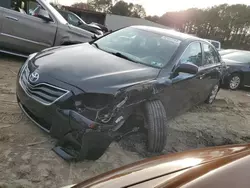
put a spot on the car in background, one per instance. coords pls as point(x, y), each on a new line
point(227, 51)
point(28, 26)
point(223, 167)
point(153, 77)
point(78, 22)
point(238, 69)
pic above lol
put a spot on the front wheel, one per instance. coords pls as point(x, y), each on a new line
point(212, 94)
point(156, 124)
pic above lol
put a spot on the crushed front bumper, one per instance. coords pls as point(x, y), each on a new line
point(71, 128)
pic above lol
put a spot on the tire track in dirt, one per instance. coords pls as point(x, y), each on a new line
point(11, 118)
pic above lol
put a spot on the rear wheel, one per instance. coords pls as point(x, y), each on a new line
point(234, 81)
point(156, 124)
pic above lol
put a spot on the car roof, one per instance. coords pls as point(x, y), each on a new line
point(169, 32)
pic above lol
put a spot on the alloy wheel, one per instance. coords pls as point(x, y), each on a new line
point(234, 82)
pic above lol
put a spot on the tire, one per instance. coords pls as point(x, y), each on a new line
point(156, 124)
point(234, 81)
point(213, 93)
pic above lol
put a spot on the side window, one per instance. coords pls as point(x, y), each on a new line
point(29, 7)
point(192, 54)
point(32, 7)
point(210, 55)
point(19, 6)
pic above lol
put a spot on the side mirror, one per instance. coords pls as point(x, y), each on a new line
point(187, 68)
point(43, 14)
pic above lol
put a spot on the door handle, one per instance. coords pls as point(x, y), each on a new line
point(11, 18)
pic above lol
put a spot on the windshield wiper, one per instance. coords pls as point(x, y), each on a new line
point(96, 45)
point(118, 54)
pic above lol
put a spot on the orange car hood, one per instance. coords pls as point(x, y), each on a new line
point(163, 165)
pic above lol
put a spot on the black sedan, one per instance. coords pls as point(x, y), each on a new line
point(238, 69)
point(85, 94)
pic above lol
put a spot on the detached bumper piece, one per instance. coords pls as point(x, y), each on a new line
point(90, 146)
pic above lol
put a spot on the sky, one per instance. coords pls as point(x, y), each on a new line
point(159, 7)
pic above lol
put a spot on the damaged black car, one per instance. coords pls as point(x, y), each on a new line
point(85, 94)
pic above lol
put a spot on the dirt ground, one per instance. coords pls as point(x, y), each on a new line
point(26, 158)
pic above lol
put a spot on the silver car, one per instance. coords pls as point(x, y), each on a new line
point(28, 26)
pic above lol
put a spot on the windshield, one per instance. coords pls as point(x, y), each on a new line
point(75, 17)
point(241, 56)
point(142, 46)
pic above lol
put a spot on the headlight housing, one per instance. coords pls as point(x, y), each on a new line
point(31, 56)
point(99, 107)
point(93, 101)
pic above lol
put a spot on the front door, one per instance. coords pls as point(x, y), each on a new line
point(183, 93)
point(22, 31)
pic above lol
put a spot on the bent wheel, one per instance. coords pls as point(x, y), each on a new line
point(212, 94)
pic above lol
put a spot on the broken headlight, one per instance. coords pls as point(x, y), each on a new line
point(93, 101)
point(97, 107)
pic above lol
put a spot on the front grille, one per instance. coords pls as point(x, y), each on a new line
point(42, 92)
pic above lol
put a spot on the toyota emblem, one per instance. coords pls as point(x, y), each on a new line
point(33, 77)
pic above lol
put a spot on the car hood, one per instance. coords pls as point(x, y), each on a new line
point(91, 69)
point(167, 165)
point(231, 62)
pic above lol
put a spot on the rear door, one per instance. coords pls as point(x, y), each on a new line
point(23, 32)
point(211, 70)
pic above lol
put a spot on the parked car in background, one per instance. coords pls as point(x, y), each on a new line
point(227, 51)
point(78, 22)
point(155, 76)
point(28, 26)
point(218, 167)
point(238, 69)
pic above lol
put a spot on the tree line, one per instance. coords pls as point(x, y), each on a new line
point(229, 24)
point(118, 7)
